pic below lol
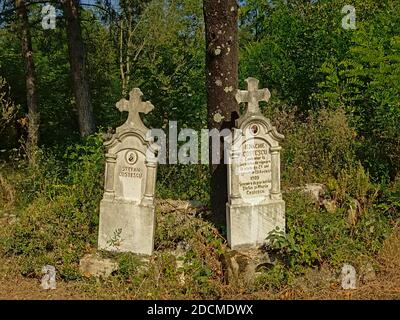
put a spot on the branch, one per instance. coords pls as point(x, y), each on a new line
point(30, 3)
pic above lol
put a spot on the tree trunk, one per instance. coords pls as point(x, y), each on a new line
point(30, 80)
point(221, 23)
point(78, 68)
point(121, 59)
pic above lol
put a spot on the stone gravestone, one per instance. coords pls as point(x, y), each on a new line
point(255, 206)
point(127, 216)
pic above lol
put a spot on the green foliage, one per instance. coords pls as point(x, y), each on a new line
point(367, 84)
point(317, 237)
point(273, 278)
point(316, 149)
point(186, 182)
point(60, 221)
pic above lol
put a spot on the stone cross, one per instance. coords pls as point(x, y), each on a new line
point(252, 95)
point(134, 106)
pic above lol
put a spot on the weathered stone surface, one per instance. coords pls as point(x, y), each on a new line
point(329, 205)
point(127, 216)
point(181, 205)
point(316, 190)
point(251, 224)
point(255, 206)
point(367, 272)
point(240, 267)
point(93, 265)
point(8, 218)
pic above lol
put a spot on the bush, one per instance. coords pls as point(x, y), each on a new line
point(185, 182)
point(60, 219)
point(316, 237)
point(314, 150)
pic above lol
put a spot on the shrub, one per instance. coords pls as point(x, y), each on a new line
point(320, 147)
point(61, 220)
point(186, 182)
point(315, 236)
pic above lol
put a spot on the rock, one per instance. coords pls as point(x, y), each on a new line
point(240, 268)
point(316, 190)
point(367, 272)
point(195, 204)
point(329, 205)
point(348, 277)
point(93, 265)
point(181, 205)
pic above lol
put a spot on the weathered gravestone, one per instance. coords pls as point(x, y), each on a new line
point(127, 216)
point(255, 206)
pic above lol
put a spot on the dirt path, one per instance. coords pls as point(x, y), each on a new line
point(14, 286)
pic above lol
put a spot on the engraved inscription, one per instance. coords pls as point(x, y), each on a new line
point(254, 170)
point(129, 172)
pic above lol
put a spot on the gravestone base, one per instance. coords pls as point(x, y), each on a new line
point(126, 227)
point(249, 225)
point(241, 268)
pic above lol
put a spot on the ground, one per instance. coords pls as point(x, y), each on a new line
point(386, 285)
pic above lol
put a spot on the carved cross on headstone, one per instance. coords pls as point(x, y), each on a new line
point(134, 106)
point(252, 95)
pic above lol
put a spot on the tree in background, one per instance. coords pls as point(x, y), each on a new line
point(130, 16)
point(221, 23)
point(30, 79)
point(77, 58)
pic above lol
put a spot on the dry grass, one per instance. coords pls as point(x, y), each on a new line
point(7, 194)
point(390, 253)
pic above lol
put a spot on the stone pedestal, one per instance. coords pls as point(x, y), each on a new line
point(126, 227)
point(249, 225)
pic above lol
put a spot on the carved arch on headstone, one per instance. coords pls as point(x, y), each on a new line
point(270, 129)
point(270, 135)
point(113, 147)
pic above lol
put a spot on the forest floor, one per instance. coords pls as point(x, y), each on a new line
point(385, 285)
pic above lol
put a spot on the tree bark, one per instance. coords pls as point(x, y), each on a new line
point(30, 81)
point(78, 68)
point(221, 26)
